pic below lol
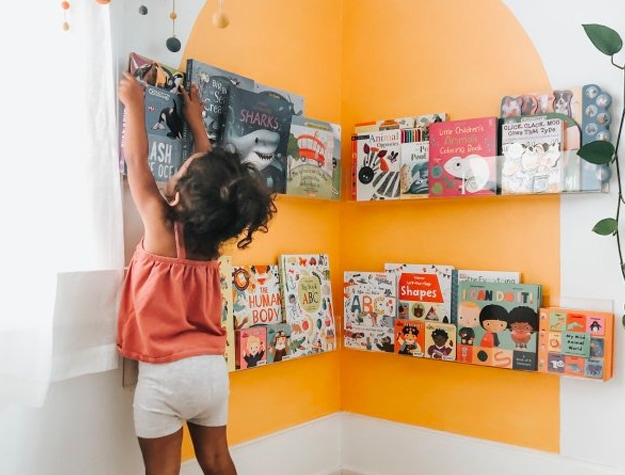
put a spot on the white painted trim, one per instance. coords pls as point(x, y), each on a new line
point(351, 444)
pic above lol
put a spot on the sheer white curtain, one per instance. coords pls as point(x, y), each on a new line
point(61, 250)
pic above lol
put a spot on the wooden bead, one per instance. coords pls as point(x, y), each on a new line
point(65, 26)
point(173, 15)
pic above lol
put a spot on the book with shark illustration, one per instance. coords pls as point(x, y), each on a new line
point(463, 157)
point(258, 126)
point(214, 86)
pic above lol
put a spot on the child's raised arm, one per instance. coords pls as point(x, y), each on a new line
point(193, 109)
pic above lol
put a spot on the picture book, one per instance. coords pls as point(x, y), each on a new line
point(214, 85)
point(281, 344)
point(257, 299)
point(377, 173)
point(307, 301)
point(296, 101)
point(251, 347)
point(154, 73)
point(561, 101)
point(440, 341)
point(409, 337)
point(509, 277)
point(596, 121)
point(311, 159)
point(425, 291)
point(576, 342)
point(498, 324)
point(384, 124)
point(164, 122)
point(258, 127)
point(227, 317)
point(463, 157)
point(414, 160)
point(532, 149)
point(370, 306)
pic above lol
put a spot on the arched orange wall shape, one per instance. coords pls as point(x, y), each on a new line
point(461, 57)
point(358, 60)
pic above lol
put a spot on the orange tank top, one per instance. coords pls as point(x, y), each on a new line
point(170, 307)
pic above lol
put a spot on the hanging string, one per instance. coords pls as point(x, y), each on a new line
point(173, 43)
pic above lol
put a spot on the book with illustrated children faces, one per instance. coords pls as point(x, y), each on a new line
point(463, 157)
point(409, 337)
point(227, 316)
point(257, 299)
point(313, 159)
point(576, 342)
point(498, 324)
point(369, 310)
point(440, 341)
point(251, 347)
point(533, 158)
point(376, 161)
point(307, 302)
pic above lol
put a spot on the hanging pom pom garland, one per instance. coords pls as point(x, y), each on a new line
point(143, 10)
point(173, 43)
point(65, 7)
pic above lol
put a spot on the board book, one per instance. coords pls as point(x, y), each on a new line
point(307, 301)
point(257, 299)
point(498, 324)
point(532, 149)
point(227, 317)
point(474, 275)
point(440, 341)
point(409, 337)
point(576, 342)
point(251, 347)
point(463, 157)
point(369, 310)
point(425, 291)
point(313, 169)
point(377, 165)
point(281, 344)
point(258, 127)
point(214, 85)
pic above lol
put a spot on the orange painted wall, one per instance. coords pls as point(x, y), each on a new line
point(278, 43)
point(358, 60)
point(459, 57)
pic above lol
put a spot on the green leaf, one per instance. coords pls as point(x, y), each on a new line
point(605, 39)
point(599, 152)
point(624, 320)
point(606, 227)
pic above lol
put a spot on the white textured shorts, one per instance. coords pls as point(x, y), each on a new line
point(195, 389)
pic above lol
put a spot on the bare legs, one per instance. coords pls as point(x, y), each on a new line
point(211, 449)
point(162, 456)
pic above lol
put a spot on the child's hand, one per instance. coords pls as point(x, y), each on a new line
point(193, 106)
point(130, 91)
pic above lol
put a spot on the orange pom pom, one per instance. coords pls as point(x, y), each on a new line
point(65, 5)
point(103, 2)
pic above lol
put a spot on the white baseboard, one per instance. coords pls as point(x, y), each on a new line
point(351, 444)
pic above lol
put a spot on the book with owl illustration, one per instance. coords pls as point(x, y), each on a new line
point(370, 307)
point(227, 317)
point(307, 302)
point(313, 159)
point(425, 291)
point(576, 342)
point(214, 85)
point(251, 347)
point(533, 159)
point(377, 165)
point(463, 157)
point(498, 324)
point(258, 127)
point(257, 299)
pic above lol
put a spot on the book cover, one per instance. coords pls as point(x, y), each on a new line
point(257, 299)
point(409, 337)
point(258, 127)
point(307, 301)
point(154, 73)
point(311, 163)
point(498, 324)
point(251, 347)
point(384, 124)
point(214, 85)
point(227, 317)
point(576, 342)
point(532, 149)
point(509, 277)
point(463, 157)
point(377, 172)
point(281, 344)
point(296, 101)
point(440, 341)
point(370, 307)
point(425, 291)
point(414, 161)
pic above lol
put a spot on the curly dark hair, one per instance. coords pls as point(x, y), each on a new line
point(221, 198)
